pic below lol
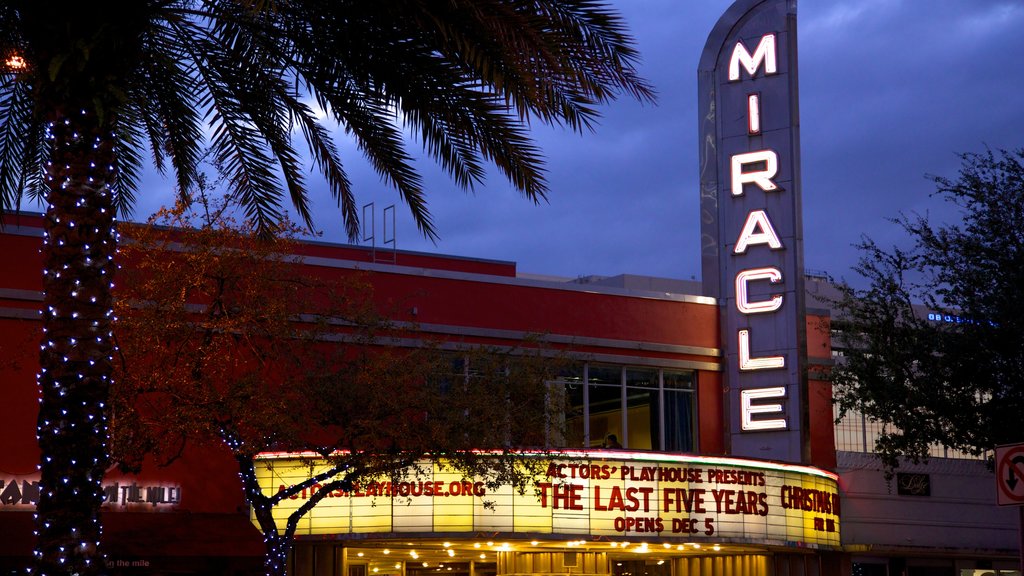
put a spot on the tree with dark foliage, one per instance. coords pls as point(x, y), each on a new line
point(934, 346)
point(88, 90)
point(221, 343)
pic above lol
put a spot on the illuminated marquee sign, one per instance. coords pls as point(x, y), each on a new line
point(752, 254)
point(630, 495)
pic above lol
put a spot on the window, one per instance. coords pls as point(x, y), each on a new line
point(680, 420)
point(642, 408)
point(632, 407)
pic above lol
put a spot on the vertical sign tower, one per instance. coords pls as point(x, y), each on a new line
point(751, 225)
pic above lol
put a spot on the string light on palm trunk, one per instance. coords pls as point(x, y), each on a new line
point(85, 246)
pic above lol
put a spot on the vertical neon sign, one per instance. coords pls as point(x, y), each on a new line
point(751, 229)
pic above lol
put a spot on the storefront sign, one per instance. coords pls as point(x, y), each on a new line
point(629, 495)
point(22, 493)
point(751, 233)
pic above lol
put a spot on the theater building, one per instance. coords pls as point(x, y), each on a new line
point(724, 457)
point(649, 369)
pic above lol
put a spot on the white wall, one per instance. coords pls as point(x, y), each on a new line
point(960, 517)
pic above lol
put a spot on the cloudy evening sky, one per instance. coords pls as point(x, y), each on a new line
point(890, 91)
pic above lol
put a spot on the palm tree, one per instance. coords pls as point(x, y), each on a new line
point(91, 91)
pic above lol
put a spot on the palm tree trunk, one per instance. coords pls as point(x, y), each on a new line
point(75, 354)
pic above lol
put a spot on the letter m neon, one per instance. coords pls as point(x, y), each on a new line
point(765, 52)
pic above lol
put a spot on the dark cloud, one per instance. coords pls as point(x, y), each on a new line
point(890, 91)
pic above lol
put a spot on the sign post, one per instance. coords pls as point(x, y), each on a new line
point(1010, 486)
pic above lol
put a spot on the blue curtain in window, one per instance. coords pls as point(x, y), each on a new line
point(678, 421)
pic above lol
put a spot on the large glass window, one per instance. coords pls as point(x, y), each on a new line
point(629, 407)
point(642, 409)
point(604, 406)
point(679, 411)
point(566, 408)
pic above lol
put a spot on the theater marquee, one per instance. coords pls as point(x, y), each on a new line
point(593, 494)
point(751, 231)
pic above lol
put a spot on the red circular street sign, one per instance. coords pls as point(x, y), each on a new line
point(1010, 474)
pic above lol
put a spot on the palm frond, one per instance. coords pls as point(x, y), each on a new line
point(325, 155)
point(373, 124)
point(128, 132)
point(15, 117)
point(34, 158)
point(264, 107)
point(465, 76)
point(175, 125)
point(237, 144)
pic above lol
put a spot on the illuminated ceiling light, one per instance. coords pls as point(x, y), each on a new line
point(447, 544)
point(451, 552)
point(425, 564)
point(695, 545)
point(413, 554)
point(386, 551)
point(614, 544)
point(660, 562)
point(482, 556)
point(680, 547)
point(490, 543)
point(398, 564)
point(534, 543)
point(717, 547)
point(505, 546)
point(360, 554)
point(476, 545)
point(667, 545)
point(375, 570)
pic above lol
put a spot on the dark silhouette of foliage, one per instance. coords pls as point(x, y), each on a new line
point(933, 345)
point(221, 342)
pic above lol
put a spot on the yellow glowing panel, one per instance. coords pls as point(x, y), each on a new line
point(453, 502)
point(663, 496)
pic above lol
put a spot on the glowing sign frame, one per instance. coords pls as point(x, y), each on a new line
point(615, 494)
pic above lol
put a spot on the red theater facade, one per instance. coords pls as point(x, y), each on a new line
point(672, 501)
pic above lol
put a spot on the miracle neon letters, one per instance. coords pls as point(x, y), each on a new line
point(751, 225)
